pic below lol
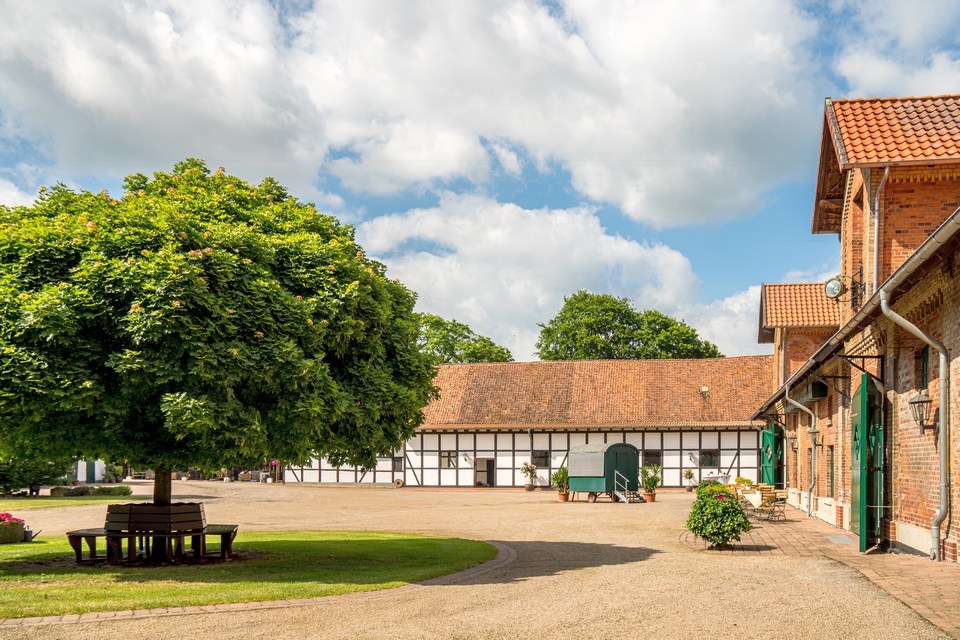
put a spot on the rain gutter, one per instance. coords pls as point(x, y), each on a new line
point(813, 446)
point(876, 228)
point(944, 419)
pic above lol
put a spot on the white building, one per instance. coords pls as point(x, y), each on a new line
point(491, 418)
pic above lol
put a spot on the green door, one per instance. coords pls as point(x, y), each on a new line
point(867, 461)
point(771, 457)
point(91, 470)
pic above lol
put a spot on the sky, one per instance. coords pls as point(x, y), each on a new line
point(497, 155)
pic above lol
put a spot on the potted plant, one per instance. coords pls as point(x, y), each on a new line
point(561, 480)
point(530, 471)
point(11, 529)
point(688, 476)
point(650, 478)
point(716, 516)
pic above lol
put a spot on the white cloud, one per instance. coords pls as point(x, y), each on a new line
point(893, 48)
point(663, 111)
point(11, 195)
point(502, 269)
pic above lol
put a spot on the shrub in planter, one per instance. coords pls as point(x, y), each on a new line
point(116, 490)
point(11, 529)
point(743, 481)
point(716, 516)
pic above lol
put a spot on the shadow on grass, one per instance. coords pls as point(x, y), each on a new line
point(346, 561)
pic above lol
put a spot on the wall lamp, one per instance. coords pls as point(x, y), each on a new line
point(792, 441)
point(920, 407)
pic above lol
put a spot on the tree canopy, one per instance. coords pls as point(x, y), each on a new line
point(592, 326)
point(448, 341)
point(200, 321)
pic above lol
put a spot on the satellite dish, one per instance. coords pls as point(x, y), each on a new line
point(834, 288)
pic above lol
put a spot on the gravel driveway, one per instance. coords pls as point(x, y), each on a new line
point(567, 570)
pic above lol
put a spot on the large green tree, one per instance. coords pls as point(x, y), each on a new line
point(593, 326)
point(200, 321)
point(449, 341)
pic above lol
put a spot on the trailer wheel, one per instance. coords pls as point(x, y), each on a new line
point(398, 483)
point(592, 496)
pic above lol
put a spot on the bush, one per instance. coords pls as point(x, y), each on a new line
point(743, 481)
point(116, 490)
point(650, 477)
point(70, 492)
point(716, 516)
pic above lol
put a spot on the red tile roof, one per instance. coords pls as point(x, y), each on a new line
point(882, 131)
point(601, 393)
point(796, 305)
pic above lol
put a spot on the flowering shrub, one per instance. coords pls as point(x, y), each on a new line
point(716, 516)
point(529, 470)
point(8, 519)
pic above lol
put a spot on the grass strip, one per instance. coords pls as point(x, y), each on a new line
point(41, 578)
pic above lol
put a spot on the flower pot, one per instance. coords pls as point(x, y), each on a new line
point(11, 533)
point(528, 487)
point(650, 497)
point(563, 497)
point(690, 489)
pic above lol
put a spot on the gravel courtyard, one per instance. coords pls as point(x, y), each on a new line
point(573, 570)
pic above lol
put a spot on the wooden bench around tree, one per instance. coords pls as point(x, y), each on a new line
point(143, 526)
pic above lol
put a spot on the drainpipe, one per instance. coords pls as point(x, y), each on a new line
point(944, 419)
point(813, 446)
point(876, 229)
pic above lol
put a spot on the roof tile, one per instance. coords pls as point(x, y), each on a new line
point(583, 393)
point(798, 305)
point(890, 130)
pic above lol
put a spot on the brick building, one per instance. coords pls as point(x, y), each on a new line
point(491, 418)
point(889, 186)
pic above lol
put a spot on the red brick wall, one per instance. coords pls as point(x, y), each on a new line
point(914, 203)
point(798, 347)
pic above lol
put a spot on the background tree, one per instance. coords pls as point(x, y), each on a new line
point(200, 321)
point(20, 473)
point(593, 326)
point(449, 341)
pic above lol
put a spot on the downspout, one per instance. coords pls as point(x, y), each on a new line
point(944, 419)
point(813, 446)
point(876, 229)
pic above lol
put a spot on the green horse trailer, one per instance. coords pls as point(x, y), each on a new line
point(610, 468)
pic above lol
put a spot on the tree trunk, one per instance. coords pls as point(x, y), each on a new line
point(162, 487)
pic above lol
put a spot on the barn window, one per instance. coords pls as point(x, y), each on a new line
point(448, 459)
point(541, 459)
point(709, 458)
point(398, 463)
point(651, 458)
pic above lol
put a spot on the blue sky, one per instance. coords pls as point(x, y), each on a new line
point(497, 156)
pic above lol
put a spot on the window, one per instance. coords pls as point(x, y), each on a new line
point(448, 459)
point(923, 377)
point(651, 458)
point(830, 467)
point(710, 458)
point(398, 463)
point(541, 459)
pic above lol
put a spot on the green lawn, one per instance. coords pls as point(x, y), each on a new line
point(46, 502)
point(41, 578)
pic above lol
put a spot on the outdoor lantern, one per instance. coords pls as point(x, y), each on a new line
point(792, 439)
point(920, 408)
